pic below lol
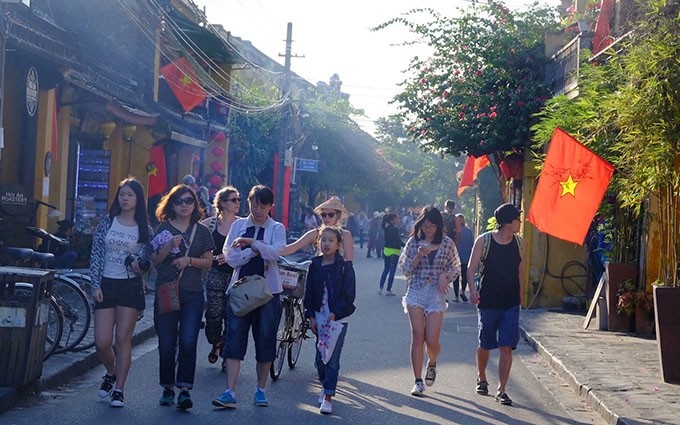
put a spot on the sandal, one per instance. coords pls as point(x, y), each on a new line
point(215, 353)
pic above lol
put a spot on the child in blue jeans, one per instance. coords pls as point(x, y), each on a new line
point(329, 301)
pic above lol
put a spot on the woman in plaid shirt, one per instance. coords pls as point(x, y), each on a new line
point(430, 262)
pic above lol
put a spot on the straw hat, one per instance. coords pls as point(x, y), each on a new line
point(333, 203)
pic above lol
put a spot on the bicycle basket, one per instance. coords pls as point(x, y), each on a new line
point(293, 281)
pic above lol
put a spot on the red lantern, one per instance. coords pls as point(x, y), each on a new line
point(219, 137)
point(215, 180)
point(216, 166)
point(218, 151)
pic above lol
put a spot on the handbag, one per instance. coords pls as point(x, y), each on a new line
point(167, 293)
point(248, 293)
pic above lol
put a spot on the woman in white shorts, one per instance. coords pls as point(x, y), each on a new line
point(430, 262)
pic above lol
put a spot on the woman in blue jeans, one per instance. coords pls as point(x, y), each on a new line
point(177, 331)
point(391, 251)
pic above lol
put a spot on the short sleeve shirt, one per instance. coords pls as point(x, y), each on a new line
point(192, 278)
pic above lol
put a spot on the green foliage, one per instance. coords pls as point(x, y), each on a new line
point(479, 90)
point(628, 111)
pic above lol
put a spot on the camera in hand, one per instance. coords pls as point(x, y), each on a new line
point(144, 264)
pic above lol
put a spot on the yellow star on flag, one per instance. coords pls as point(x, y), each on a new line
point(185, 80)
point(569, 187)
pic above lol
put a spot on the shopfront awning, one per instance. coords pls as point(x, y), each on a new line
point(183, 138)
point(130, 114)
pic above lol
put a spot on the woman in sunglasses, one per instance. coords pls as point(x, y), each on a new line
point(227, 204)
point(332, 213)
point(179, 231)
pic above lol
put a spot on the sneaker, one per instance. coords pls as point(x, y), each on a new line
point(380, 291)
point(455, 299)
point(418, 389)
point(117, 399)
point(390, 293)
point(326, 407)
point(502, 398)
point(322, 397)
point(168, 397)
point(482, 387)
point(107, 386)
point(463, 297)
point(225, 400)
point(430, 375)
point(184, 401)
point(260, 398)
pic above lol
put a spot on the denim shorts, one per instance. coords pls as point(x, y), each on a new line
point(264, 321)
point(123, 293)
point(498, 328)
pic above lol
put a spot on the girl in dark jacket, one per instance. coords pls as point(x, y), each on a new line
point(391, 251)
point(329, 301)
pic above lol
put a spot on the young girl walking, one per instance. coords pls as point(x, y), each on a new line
point(329, 302)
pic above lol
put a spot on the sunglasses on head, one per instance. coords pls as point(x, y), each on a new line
point(234, 200)
point(328, 214)
point(183, 201)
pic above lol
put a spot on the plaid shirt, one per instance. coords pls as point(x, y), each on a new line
point(427, 272)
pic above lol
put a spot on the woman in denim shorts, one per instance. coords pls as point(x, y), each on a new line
point(430, 262)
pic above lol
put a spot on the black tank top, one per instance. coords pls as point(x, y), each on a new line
point(500, 279)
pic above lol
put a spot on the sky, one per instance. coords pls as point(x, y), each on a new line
point(335, 37)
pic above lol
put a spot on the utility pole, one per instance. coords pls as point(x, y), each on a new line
point(281, 210)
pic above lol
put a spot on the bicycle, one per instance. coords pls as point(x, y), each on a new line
point(293, 325)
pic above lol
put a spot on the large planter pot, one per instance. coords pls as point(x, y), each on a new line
point(667, 317)
point(617, 273)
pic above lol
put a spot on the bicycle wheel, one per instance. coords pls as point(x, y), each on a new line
point(85, 282)
point(55, 319)
point(298, 335)
point(282, 341)
point(76, 309)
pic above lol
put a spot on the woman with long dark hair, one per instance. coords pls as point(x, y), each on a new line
point(430, 262)
point(120, 255)
point(179, 232)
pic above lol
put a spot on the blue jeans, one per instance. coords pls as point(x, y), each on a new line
point(177, 338)
point(264, 321)
point(391, 268)
point(328, 373)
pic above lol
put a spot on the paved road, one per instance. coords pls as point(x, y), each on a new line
point(374, 385)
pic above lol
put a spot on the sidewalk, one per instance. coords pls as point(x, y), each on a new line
point(617, 374)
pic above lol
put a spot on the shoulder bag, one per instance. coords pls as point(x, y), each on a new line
point(167, 293)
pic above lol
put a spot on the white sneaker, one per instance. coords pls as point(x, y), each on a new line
point(418, 389)
point(380, 291)
point(322, 397)
point(390, 293)
point(326, 407)
point(431, 375)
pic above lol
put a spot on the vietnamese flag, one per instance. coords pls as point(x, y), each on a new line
point(470, 171)
point(181, 78)
point(570, 189)
point(155, 169)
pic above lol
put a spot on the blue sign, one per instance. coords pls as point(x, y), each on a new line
point(308, 165)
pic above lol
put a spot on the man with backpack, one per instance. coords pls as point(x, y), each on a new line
point(496, 259)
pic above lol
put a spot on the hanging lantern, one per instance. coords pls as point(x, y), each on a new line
point(215, 180)
point(218, 151)
point(218, 137)
point(216, 166)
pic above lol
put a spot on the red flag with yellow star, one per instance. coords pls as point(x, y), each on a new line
point(570, 189)
point(181, 78)
point(155, 170)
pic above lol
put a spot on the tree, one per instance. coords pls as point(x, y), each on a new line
point(484, 81)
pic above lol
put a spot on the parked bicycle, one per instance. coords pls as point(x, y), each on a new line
point(293, 326)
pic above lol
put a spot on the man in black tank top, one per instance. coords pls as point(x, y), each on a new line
point(496, 257)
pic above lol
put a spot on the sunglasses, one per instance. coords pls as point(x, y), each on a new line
point(183, 201)
point(329, 215)
point(234, 200)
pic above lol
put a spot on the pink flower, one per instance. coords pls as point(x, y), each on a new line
point(493, 115)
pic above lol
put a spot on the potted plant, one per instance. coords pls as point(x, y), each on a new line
point(626, 298)
point(644, 313)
